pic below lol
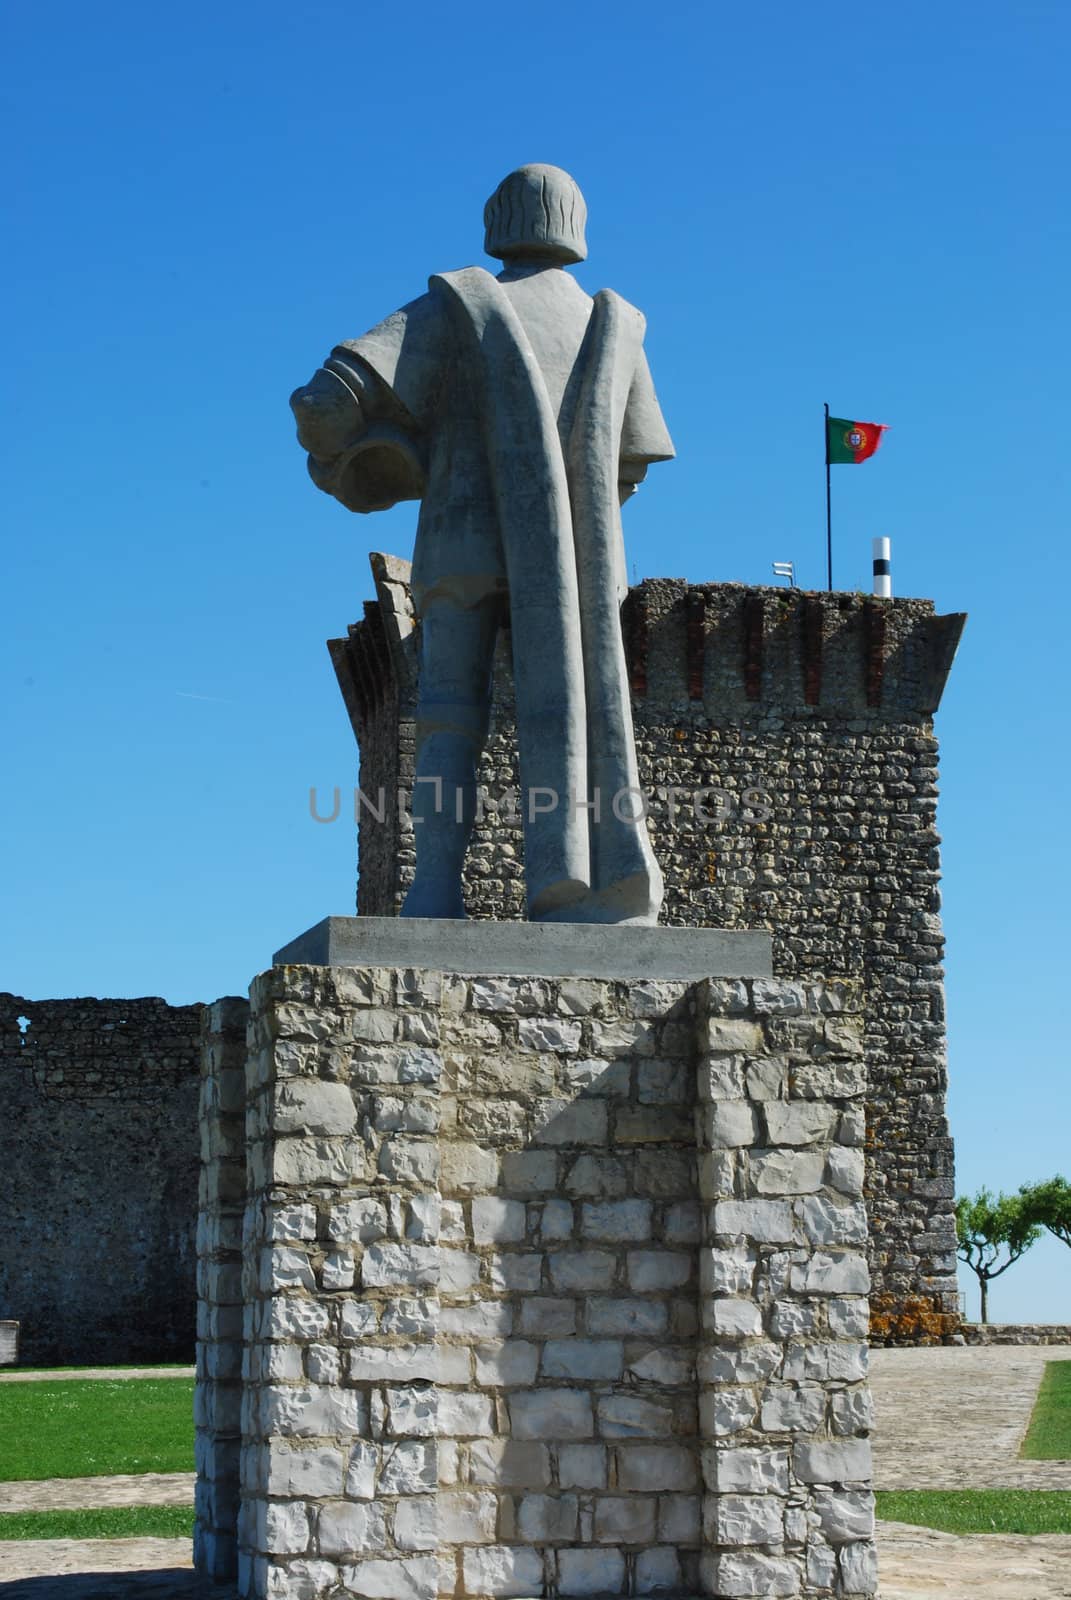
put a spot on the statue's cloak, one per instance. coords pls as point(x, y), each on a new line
point(517, 499)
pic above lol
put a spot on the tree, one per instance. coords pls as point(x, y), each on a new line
point(1049, 1205)
point(993, 1232)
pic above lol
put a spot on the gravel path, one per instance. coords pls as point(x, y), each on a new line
point(77, 1494)
point(954, 1418)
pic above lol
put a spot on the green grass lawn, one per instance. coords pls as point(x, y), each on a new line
point(1048, 1437)
point(107, 1522)
point(979, 1510)
point(82, 1429)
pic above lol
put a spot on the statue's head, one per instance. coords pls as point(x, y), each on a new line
point(536, 211)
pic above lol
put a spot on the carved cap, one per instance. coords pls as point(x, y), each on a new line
point(536, 211)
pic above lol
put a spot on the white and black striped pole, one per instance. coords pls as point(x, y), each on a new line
point(882, 568)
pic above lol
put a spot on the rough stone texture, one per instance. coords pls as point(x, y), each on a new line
point(812, 714)
point(530, 1330)
point(221, 1215)
point(98, 1146)
point(978, 1333)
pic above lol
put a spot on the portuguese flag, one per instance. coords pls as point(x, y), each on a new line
point(850, 442)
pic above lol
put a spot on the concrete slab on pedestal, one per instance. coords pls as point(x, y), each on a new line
point(532, 949)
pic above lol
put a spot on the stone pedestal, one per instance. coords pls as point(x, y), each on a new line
point(552, 1286)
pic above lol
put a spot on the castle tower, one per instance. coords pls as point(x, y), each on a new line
point(786, 744)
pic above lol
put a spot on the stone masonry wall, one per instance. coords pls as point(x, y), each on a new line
point(220, 1297)
point(1016, 1332)
point(554, 1287)
point(805, 724)
point(98, 1149)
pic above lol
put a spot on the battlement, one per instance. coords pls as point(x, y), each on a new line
point(725, 647)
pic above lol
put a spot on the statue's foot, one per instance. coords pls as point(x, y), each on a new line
point(556, 902)
point(440, 898)
point(630, 900)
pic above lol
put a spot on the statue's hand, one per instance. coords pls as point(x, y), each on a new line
point(329, 417)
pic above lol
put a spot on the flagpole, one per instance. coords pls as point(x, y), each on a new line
point(829, 508)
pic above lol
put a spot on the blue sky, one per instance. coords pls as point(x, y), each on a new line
point(866, 207)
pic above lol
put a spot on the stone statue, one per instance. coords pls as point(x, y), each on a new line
point(521, 413)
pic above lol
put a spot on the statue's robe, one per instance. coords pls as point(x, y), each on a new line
point(522, 496)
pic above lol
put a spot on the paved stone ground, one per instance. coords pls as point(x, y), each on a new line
point(954, 1417)
point(99, 1569)
point(920, 1564)
point(70, 1374)
point(75, 1494)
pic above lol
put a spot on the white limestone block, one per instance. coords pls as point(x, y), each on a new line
point(858, 1568)
point(412, 1413)
point(746, 1469)
point(832, 1461)
point(285, 1528)
point(399, 1265)
point(733, 1317)
point(510, 1363)
point(658, 1571)
point(416, 1524)
point(502, 1570)
point(650, 1271)
point(464, 1416)
point(616, 1221)
point(787, 1171)
point(845, 1514)
point(468, 1167)
point(727, 1124)
point(361, 1471)
point(661, 1467)
point(551, 1414)
point(511, 1463)
point(357, 1221)
point(625, 1519)
point(467, 1516)
point(832, 1273)
point(623, 1416)
point(799, 1122)
point(549, 1034)
point(787, 1408)
point(312, 1106)
point(583, 1358)
point(545, 1517)
point(765, 1221)
point(409, 1160)
point(590, 1572)
point(347, 1527)
point(413, 1578)
point(581, 1271)
point(748, 1573)
point(497, 1221)
point(396, 1363)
